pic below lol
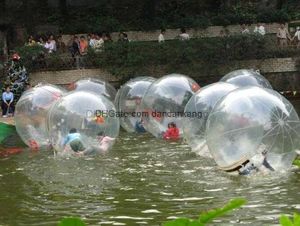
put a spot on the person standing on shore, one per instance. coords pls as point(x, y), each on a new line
point(183, 35)
point(283, 35)
point(7, 103)
point(297, 36)
point(161, 37)
point(259, 29)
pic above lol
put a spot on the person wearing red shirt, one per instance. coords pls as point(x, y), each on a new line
point(172, 132)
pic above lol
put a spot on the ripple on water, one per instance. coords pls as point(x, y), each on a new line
point(141, 181)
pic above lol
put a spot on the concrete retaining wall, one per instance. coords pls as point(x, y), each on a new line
point(281, 72)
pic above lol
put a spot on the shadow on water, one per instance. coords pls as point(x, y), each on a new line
point(141, 181)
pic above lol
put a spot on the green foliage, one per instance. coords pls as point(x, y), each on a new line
point(204, 218)
point(105, 15)
point(209, 216)
point(286, 221)
point(71, 221)
point(297, 162)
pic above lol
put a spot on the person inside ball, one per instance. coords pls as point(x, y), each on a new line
point(73, 139)
point(139, 126)
point(104, 143)
point(258, 163)
point(172, 132)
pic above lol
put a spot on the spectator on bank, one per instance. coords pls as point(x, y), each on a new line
point(282, 36)
point(41, 41)
point(83, 45)
point(244, 29)
point(183, 36)
point(49, 45)
point(259, 29)
point(107, 37)
point(31, 41)
point(74, 47)
point(161, 37)
point(75, 50)
point(7, 103)
point(123, 37)
point(88, 38)
point(52, 40)
point(61, 46)
point(92, 40)
point(297, 37)
point(99, 42)
point(70, 42)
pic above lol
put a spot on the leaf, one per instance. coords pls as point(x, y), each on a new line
point(297, 162)
point(183, 222)
point(296, 219)
point(285, 221)
point(210, 215)
point(71, 221)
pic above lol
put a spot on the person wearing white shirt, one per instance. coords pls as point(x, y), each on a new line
point(259, 29)
point(161, 37)
point(297, 36)
point(92, 41)
point(52, 40)
point(99, 43)
point(244, 29)
point(49, 45)
point(184, 36)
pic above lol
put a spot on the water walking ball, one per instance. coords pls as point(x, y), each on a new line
point(164, 102)
point(199, 107)
point(253, 124)
point(95, 85)
point(82, 122)
point(128, 102)
point(31, 113)
point(245, 77)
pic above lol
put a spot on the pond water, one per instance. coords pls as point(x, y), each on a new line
point(142, 181)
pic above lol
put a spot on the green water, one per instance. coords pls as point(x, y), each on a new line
point(142, 181)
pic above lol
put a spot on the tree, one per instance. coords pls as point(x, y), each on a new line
point(63, 5)
point(2, 7)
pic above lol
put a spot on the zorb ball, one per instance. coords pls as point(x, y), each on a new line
point(79, 121)
point(197, 111)
point(245, 77)
point(253, 124)
point(128, 102)
point(97, 86)
point(31, 114)
point(164, 102)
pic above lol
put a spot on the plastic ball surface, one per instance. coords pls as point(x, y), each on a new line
point(31, 114)
point(253, 121)
point(129, 99)
point(246, 77)
point(199, 107)
point(164, 102)
point(85, 118)
point(97, 86)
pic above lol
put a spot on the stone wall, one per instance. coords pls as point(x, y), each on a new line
point(281, 72)
point(69, 76)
